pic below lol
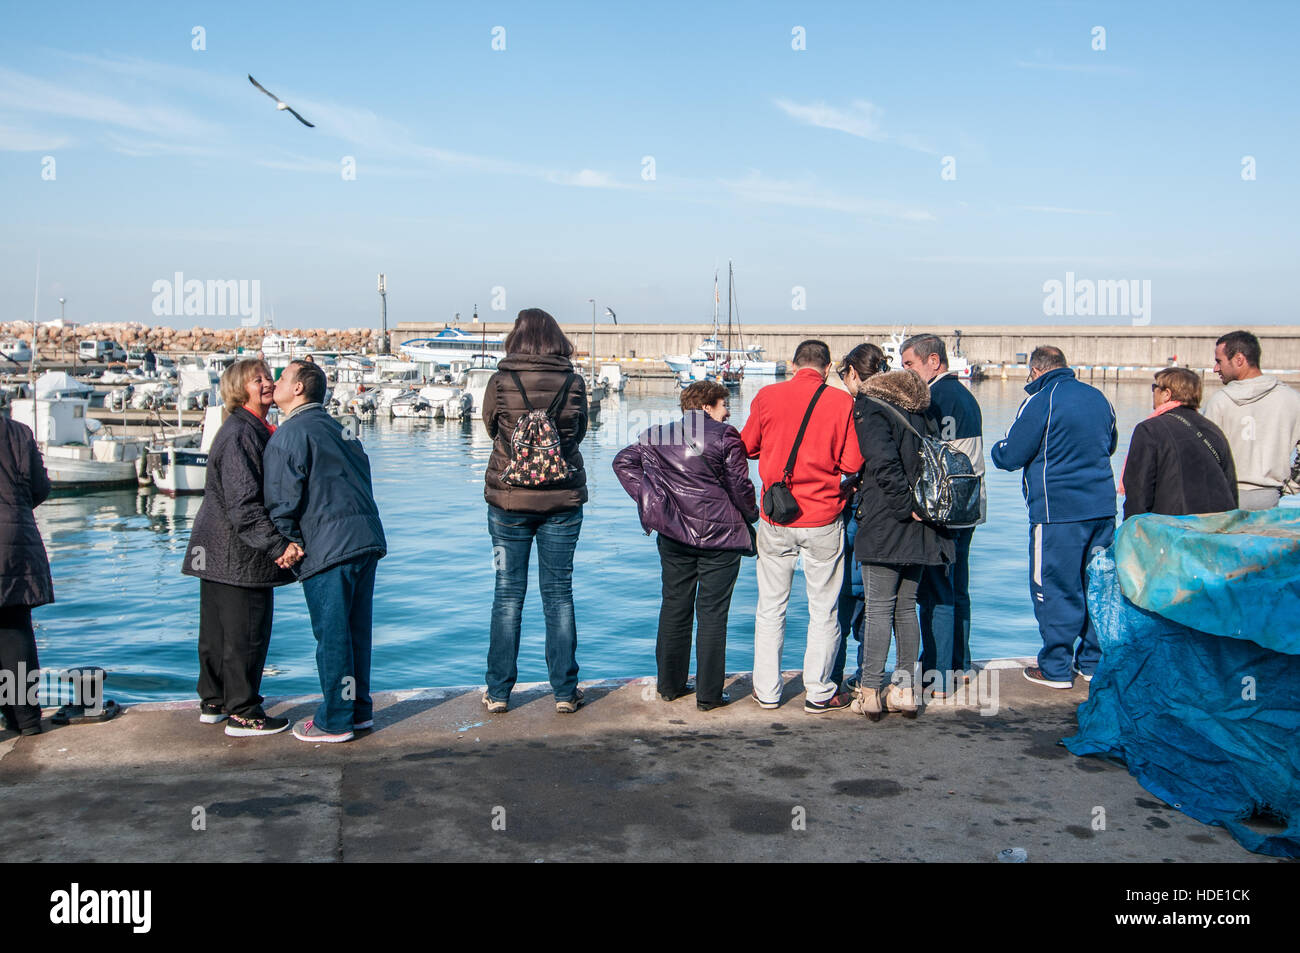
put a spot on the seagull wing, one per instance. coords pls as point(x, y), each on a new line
point(299, 118)
point(264, 89)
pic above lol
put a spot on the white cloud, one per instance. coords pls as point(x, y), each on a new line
point(860, 118)
point(1075, 67)
point(1057, 210)
point(29, 140)
point(756, 187)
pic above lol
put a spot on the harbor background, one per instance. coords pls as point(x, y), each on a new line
point(122, 602)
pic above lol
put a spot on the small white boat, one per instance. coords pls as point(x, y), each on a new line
point(15, 349)
point(957, 363)
point(77, 455)
point(180, 470)
point(716, 357)
point(613, 378)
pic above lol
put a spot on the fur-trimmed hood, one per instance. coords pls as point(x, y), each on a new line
point(903, 388)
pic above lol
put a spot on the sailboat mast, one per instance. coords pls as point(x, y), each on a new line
point(729, 283)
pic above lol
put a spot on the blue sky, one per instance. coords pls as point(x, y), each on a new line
point(522, 168)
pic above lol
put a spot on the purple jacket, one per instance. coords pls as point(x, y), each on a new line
point(701, 502)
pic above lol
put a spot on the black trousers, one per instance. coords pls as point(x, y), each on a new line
point(234, 635)
point(18, 648)
point(697, 584)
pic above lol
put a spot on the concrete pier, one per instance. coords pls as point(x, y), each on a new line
point(1108, 346)
point(629, 777)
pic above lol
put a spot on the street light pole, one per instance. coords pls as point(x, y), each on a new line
point(62, 301)
point(593, 341)
point(383, 315)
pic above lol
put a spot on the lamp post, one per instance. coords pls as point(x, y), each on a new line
point(593, 341)
point(63, 301)
point(383, 315)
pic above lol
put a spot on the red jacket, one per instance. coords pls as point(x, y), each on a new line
point(829, 448)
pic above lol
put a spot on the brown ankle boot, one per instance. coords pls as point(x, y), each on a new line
point(900, 699)
point(867, 701)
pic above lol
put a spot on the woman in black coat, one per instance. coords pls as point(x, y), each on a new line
point(893, 543)
point(1178, 462)
point(239, 557)
point(24, 569)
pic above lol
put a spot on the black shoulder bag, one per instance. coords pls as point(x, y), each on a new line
point(779, 504)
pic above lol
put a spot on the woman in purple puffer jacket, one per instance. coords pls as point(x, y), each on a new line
point(690, 480)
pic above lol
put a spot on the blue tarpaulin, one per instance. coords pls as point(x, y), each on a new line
point(1198, 690)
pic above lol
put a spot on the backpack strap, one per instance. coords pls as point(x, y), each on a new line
point(528, 404)
point(794, 451)
point(897, 413)
point(557, 405)
point(1204, 440)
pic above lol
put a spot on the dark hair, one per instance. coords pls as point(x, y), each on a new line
point(1047, 358)
point(812, 354)
point(1243, 343)
point(866, 359)
point(312, 379)
point(536, 332)
point(1183, 385)
point(923, 345)
point(702, 394)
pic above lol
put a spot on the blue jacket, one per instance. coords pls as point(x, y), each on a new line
point(1063, 436)
point(318, 491)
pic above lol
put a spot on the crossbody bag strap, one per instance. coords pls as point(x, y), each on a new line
point(528, 404)
point(1209, 446)
point(794, 451)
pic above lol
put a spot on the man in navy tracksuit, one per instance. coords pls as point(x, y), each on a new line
point(1063, 437)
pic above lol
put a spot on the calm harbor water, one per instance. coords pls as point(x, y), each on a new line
point(124, 605)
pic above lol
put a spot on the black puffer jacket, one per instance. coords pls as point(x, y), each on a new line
point(24, 485)
point(887, 533)
point(233, 540)
point(542, 376)
point(1171, 468)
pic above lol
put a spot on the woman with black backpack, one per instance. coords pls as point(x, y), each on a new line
point(892, 542)
point(535, 409)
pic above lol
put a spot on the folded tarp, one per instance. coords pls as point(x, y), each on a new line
point(1205, 718)
point(1233, 574)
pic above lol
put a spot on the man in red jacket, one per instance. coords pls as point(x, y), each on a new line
point(829, 448)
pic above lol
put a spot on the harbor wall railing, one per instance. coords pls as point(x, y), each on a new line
point(1113, 346)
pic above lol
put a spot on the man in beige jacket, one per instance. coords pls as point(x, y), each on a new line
point(1259, 415)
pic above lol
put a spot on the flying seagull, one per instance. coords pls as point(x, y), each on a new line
point(280, 104)
point(610, 312)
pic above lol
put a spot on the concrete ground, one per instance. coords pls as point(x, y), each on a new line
point(629, 777)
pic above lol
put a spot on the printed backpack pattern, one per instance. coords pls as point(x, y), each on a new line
point(536, 457)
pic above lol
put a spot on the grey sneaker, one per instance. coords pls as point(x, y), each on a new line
point(306, 730)
point(570, 706)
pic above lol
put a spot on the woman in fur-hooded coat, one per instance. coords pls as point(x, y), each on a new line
point(893, 543)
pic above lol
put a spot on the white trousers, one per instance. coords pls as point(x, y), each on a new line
point(822, 549)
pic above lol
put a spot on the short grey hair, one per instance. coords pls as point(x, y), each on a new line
point(923, 345)
point(1047, 358)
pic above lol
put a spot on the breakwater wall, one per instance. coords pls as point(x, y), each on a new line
point(1119, 346)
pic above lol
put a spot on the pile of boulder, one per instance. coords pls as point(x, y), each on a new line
point(52, 339)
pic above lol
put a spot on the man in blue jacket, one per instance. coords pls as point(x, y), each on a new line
point(1063, 437)
point(318, 492)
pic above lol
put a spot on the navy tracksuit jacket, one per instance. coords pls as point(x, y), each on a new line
point(1063, 437)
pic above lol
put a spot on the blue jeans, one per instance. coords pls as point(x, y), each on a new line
point(512, 543)
point(944, 601)
point(340, 601)
point(1058, 569)
point(852, 606)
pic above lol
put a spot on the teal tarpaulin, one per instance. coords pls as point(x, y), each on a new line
point(1233, 574)
point(1198, 690)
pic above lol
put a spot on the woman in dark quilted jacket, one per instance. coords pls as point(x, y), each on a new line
point(527, 501)
point(239, 556)
point(24, 569)
point(690, 480)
